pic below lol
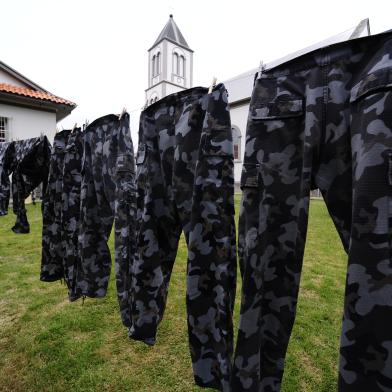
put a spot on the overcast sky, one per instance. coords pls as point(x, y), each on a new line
point(94, 52)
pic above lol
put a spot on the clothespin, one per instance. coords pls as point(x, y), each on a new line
point(122, 113)
point(213, 83)
point(85, 125)
point(261, 69)
point(74, 127)
point(41, 135)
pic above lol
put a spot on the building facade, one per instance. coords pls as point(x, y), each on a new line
point(26, 109)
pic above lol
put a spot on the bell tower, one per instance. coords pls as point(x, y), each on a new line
point(170, 64)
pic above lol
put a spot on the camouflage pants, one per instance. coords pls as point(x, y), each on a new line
point(31, 168)
point(322, 121)
point(61, 209)
point(7, 153)
point(52, 249)
point(70, 207)
point(185, 183)
point(107, 195)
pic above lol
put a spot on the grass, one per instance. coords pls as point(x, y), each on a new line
point(49, 344)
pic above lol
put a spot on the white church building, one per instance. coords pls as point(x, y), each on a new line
point(170, 64)
point(170, 69)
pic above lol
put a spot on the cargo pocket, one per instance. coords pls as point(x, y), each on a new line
point(125, 173)
point(125, 164)
point(249, 214)
point(250, 176)
point(373, 83)
point(278, 109)
point(370, 115)
point(218, 143)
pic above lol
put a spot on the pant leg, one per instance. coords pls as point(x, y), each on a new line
point(18, 204)
point(96, 213)
point(366, 342)
point(32, 158)
point(52, 225)
point(125, 215)
point(282, 135)
point(211, 275)
point(158, 224)
point(70, 208)
point(7, 156)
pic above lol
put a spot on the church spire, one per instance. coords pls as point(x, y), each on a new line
point(170, 64)
point(172, 33)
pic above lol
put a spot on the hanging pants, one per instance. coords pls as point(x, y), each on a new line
point(52, 247)
point(107, 195)
point(185, 183)
point(7, 156)
point(31, 168)
point(322, 121)
point(61, 210)
point(70, 207)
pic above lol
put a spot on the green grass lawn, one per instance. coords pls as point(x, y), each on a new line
point(49, 344)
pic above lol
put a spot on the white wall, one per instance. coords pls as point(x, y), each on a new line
point(27, 123)
point(239, 116)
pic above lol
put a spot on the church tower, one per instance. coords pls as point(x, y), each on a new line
point(170, 64)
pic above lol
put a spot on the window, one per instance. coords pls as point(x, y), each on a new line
point(156, 64)
point(178, 65)
point(236, 141)
point(175, 63)
point(4, 129)
point(181, 66)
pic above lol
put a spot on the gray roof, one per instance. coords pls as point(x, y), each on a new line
point(172, 33)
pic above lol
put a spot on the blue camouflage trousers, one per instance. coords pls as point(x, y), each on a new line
point(107, 195)
point(61, 209)
point(30, 169)
point(323, 120)
point(7, 156)
point(185, 183)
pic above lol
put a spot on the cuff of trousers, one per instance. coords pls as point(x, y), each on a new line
point(135, 336)
point(75, 296)
point(214, 384)
point(50, 278)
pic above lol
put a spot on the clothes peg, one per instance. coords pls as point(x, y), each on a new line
point(74, 127)
point(213, 83)
point(261, 69)
point(122, 113)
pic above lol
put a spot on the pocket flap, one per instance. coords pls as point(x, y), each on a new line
point(141, 154)
point(125, 163)
point(250, 176)
point(278, 109)
point(218, 143)
point(379, 80)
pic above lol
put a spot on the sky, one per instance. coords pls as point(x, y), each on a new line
point(94, 52)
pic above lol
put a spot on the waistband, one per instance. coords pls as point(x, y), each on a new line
point(328, 55)
point(180, 97)
point(108, 119)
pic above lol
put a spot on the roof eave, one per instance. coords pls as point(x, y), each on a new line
point(18, 75)
point(61, 110)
